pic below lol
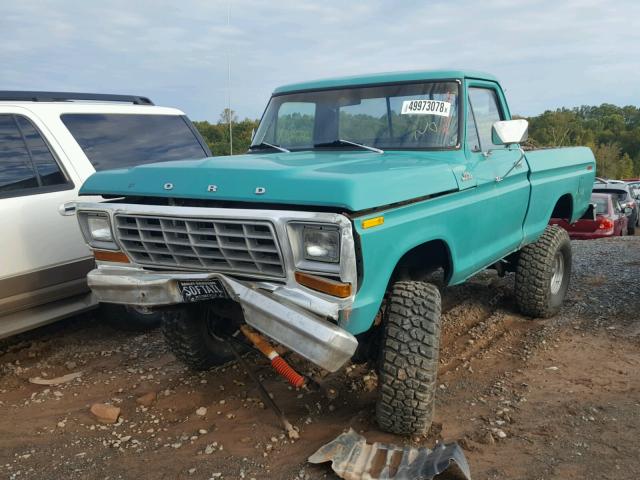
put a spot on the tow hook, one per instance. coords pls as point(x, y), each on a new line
point(277, 362)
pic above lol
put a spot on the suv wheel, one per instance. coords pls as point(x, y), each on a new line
point(197, 334)
point(543, 273)
point(130, 318)
point(409, 358)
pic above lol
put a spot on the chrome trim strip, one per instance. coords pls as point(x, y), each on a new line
point(43, 296)
point(34, 280)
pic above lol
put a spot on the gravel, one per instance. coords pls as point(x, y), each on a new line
point(605, 279)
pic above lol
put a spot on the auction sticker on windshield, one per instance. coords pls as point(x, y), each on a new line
point(425, 107)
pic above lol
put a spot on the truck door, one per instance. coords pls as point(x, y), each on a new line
point(504, 198)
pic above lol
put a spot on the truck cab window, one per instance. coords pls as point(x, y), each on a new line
point(369, 115)
point(473, 141)
point(486, 111)
point(294, 125)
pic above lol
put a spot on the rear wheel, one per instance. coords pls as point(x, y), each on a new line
point(198, 334)
point(543, 273)
point(130, 318)
point(409, 358)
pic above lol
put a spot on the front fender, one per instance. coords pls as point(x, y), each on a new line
point(383, 246)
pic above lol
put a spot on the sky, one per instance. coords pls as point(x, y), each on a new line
point(547, 54)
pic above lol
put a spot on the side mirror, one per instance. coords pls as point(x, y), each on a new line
point(508, 132)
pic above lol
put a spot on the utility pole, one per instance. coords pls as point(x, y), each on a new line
point(229, 80)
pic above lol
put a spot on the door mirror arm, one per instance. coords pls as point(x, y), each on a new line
point(516, 163)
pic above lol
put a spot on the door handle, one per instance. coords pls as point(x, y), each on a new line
point(67, 209)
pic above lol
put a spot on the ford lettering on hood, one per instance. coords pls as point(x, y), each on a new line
point(349, 180)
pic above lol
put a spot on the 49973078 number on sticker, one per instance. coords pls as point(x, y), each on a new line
point(425, 107)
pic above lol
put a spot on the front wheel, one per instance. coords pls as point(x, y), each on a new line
point(409, 358)
point(543, 272)
point(198, 334)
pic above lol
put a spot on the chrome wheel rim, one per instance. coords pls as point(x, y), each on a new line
point(558, 272)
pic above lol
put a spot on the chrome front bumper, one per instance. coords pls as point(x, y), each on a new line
point(294, 319)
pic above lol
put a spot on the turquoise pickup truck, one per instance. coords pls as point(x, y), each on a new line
point(326, 236)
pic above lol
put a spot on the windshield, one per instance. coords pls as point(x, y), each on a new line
point(405, 116)
point(126, 140)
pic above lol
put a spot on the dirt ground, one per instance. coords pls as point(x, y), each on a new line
point(527, 399)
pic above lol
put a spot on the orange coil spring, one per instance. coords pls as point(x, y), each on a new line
point(283, 368)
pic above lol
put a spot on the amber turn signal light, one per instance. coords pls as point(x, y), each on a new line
point(372, 222)
point(324, 285)
point(108, 256)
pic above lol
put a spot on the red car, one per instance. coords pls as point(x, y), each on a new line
point(611, 220)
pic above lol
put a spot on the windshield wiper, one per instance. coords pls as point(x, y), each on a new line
point(340, 142)
point(263, 145)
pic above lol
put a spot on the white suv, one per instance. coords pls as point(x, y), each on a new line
point(50, 143)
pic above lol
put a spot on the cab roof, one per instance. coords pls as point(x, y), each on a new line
point(382, 78)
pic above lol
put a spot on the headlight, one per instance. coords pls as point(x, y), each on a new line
point(99, 228)
point(321, 244)
point(96, 230)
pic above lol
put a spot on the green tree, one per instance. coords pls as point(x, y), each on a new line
point(612, 132)
point(625, 167)
point(217, 134)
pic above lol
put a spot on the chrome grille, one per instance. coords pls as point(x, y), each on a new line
point(247, 246)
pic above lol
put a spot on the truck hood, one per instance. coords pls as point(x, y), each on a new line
point(350, 180)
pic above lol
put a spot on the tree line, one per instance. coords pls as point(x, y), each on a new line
point(612, 132)
point(217, 134)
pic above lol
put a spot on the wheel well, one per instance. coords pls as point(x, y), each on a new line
point(419, 263)
point(563, 208)
point(423, 260)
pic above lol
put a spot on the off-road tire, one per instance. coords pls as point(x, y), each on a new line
point(408, 362)
point(534, 293)
point(131, 319)
point(186, 330)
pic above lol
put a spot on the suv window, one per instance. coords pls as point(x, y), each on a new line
point(620, 194)
point(42, 158)
point(26, 163)
point(125, 140)
point(486, 111)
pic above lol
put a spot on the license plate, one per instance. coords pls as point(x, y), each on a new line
point(198, 290)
